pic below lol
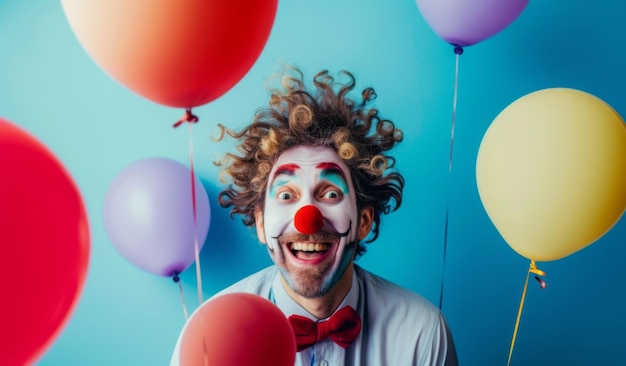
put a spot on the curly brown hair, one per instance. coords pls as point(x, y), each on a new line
point(325, 116)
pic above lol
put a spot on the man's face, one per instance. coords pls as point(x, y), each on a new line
point(311, 262)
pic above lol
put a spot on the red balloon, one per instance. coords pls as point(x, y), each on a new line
point(44, 246)
point(238, 329)
point(179, 53)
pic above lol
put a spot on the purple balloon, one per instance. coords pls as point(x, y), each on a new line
point(148, 215)
point(466, 22)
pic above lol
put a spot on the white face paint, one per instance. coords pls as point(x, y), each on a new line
point(302, 176)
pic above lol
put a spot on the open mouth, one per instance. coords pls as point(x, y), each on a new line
point(309, 251)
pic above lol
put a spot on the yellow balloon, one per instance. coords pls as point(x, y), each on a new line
point(551, 172)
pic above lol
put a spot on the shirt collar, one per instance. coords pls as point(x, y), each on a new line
point(290, 307)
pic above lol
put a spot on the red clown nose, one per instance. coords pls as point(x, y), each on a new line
point(308, 220)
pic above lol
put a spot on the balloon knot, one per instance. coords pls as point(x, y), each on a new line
point(533, 269)
point(458, 50)
point(187, 117)
point(175, 278)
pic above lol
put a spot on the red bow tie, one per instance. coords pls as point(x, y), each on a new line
point(342, 328)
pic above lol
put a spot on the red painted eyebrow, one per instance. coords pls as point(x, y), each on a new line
point(332, 167)
point(329, 166)
point(287, 169)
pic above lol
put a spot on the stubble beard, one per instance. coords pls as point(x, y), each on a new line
point(317, 281)
point(308, 282)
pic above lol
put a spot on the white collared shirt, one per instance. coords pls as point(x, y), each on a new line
point(399, 327)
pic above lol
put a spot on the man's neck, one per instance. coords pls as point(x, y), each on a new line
point(322, 307)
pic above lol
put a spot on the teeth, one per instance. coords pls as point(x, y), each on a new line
point(310, 247)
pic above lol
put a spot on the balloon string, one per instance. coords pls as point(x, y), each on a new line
point(196, 247)
point(532, 269)
point(458, 51)
point(182, 297)
point(191, 118)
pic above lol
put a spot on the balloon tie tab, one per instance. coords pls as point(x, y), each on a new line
point(175, 277)
point(458, 50)
point(187, 117)
point(542, 283)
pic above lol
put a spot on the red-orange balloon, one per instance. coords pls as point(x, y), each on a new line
point(179, 53)
point(238, 329)
point(44, 246)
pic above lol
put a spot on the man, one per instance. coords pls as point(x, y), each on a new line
point(313, 176)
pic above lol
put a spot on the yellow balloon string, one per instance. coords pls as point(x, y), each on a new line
point(532, 269)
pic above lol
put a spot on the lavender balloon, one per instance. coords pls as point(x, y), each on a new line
point(148, 215)
point(466, 22)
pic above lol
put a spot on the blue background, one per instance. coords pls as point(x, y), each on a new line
point(125, 316)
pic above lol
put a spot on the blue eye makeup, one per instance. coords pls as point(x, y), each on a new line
point(336, 178)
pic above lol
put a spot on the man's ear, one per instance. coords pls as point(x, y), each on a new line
point(366, 220)
point(260, 228)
